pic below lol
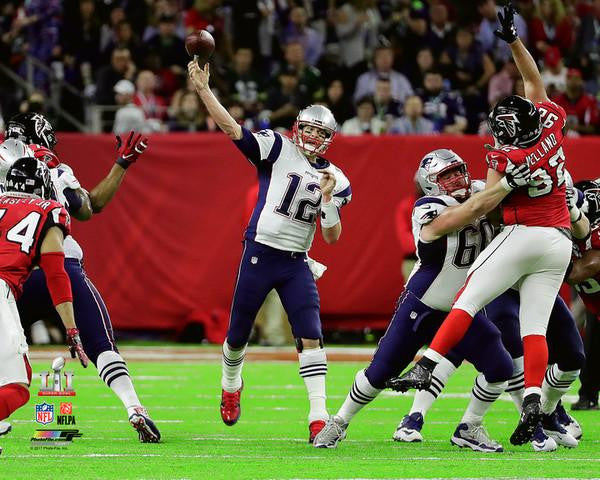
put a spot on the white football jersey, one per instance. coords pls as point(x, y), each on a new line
point(442, 266)
point(289, 196)
point(62, 178)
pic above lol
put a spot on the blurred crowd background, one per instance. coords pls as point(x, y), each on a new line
point(382, 66)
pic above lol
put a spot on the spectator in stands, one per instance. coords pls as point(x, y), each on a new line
point(244, 84)
point(550, 27)
point(190, 116)
point(365, 121)
point(492, 45)
point(168, 46)
point(108, 31)
point(424, 61)
point(205, 15)
point(581, 107)
point(383, 60)
point(124, 37)
point(338, 102)
point(444, 108)
point(502, 83)
point(82, 37)
point(386, 108)
point(35, 102)
point(129, 116)
point(348, 20)
point(153, 106)
point(587, 46)
point(121, 67)
point(172, 111)
point(441, 31)
point(309, 76)
point(297, 30)
point(412, 122)
point(554, 73)
point(245, 20)
point(285, 101)
point(469, 69)
point(163, 9)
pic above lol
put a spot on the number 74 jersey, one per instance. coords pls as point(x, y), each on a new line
point(542, 203)
point(24, 221)
point(289, 195)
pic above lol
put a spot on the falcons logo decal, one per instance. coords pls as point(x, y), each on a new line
point(509, 122)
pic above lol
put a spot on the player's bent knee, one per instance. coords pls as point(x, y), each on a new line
point(308, 343)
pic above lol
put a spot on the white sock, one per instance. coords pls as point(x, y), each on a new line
point(313, 368)
point(516, 384)
point(231, 372)
point(482, 397)
point(425, 398)
point(361, 394)
point(433, 355)
point(556, 384)
point(113, 371)
point(532, 391)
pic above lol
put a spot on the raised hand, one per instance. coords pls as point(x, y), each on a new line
point(507, 31)
point(199, 76)
point(328, 182)
point(131, 149)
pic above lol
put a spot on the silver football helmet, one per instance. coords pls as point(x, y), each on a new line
point(10, 150)
point(437, 162)
point(317, 116)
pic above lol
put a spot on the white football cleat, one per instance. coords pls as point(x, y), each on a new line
point(143, 424)
point(571, 425)
point(475, 437)
point(332, 433)
point(409, 429)
point(542, 442)
point(555, 430)
point(5, 427)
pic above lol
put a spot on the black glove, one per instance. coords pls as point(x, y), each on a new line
point(508, 31)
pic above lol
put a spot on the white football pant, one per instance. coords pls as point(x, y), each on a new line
point(13, 345)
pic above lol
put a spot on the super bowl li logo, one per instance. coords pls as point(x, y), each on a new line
point(45, 413)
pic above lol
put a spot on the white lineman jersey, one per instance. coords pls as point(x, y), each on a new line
point(444, 263)
point(62, 178)
point(289, 196)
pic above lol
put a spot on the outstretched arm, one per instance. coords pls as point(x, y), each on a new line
point(534, 86)
point(477, 205)
point(217, 111)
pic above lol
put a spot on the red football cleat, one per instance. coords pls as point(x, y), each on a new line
point(230, 406)
point(314, 428)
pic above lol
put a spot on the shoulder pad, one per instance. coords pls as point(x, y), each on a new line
point(427, 209)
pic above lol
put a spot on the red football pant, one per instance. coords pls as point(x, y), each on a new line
point(12, 396)
point(535, 359)
point(452, 331)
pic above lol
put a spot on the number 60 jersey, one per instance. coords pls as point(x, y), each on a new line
point(289, 192)
point(443, 263)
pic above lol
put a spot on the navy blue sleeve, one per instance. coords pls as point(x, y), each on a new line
point(248, 146)
point(74, 200)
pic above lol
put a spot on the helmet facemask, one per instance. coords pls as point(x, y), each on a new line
point(313, 143)
point(457, 186)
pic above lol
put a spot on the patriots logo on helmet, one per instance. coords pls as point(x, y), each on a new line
point(426, 161)
point(509, 122)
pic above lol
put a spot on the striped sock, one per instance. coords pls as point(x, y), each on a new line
point(516, 384)
point(313, 368)
point(482, 397)
point(556, 384)
point(113, 371)
point(231, 371)
point(361, 393)
point(425, 398)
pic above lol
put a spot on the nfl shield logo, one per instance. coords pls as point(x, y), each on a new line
point(44, 413)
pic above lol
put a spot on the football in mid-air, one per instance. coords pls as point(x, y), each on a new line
point(200, 45)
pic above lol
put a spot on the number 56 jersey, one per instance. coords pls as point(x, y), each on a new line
point(443, 264)
point(24, 221)
point(289, 194)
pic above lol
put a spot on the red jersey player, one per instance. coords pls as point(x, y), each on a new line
point(32, 228)
point(533, 250)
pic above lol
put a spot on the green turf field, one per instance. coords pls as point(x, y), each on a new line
point(270, 441)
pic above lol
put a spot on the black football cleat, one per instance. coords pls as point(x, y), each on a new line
point(418, 377)
point(584, 403)
point(528, 422)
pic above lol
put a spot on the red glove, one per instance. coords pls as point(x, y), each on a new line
point(45, 155)
point(131, 149)
point(75, 347)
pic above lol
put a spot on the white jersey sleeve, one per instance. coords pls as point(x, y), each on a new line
point(427, 209)
point(263, 146)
